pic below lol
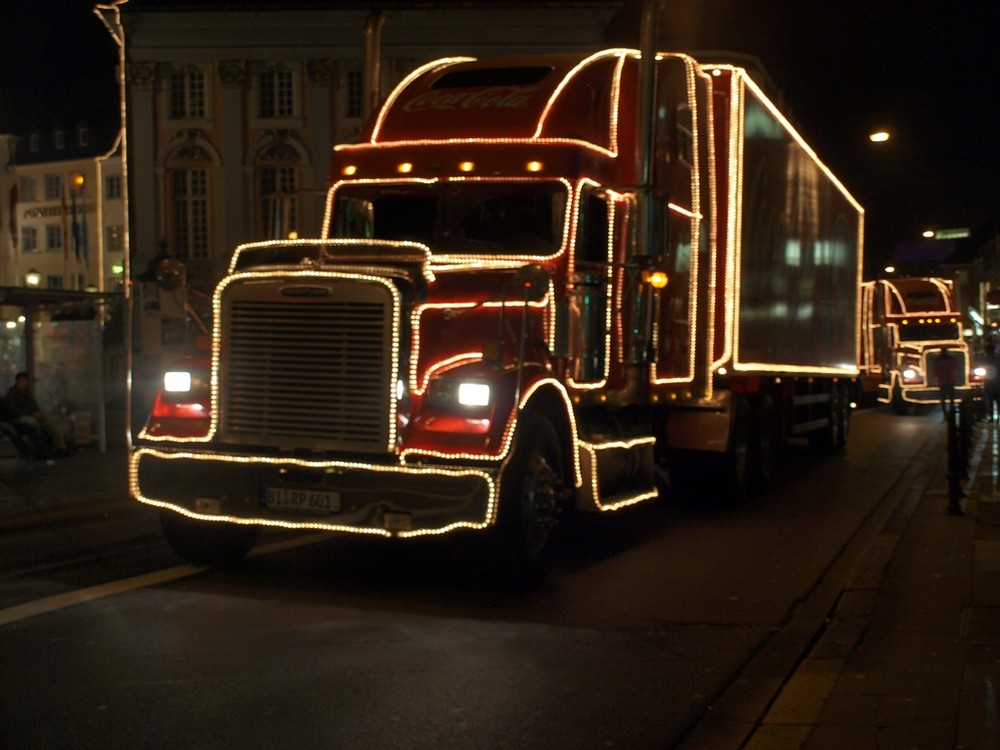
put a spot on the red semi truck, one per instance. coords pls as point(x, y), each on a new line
point(543, 283)
point(906, 324)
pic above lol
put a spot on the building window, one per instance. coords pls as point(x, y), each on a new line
point(115, 243)
point(276, 93)
point(187, 94)
point(113, 187)
point(189, 203)
point(53, 237)
point(54, 282)
point(26, 189)
point(53, 187)
point(355, 93)
point(82, 136)
point(278, 202)
point(34, 143)
point(60, 140)
point(29, 239)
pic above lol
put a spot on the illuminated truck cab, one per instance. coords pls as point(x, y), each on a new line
point(520, 303)
point(906, 325)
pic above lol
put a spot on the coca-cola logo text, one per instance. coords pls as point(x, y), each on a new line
point(500, 97)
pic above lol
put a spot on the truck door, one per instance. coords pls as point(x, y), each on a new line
point(589, 317)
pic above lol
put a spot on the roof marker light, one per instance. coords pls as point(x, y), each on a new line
point(404, 168)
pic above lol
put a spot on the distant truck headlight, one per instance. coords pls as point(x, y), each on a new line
point(911, 374)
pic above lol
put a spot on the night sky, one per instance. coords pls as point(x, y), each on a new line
point(928, 72)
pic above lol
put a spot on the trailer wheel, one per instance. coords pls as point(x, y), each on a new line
point(833, 437)
point(531, 491)
point(212, 543)
point(765, 445)
point(845, 415)
point(735, 477)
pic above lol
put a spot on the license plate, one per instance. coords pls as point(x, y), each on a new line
point(287, 498)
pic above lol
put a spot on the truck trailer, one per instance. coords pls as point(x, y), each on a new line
point(907, 323)
point(543, 284)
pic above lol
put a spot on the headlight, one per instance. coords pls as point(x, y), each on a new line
point(474, 394)
point(979, 372)
point(444, 393)
point(910, 374)
point(177, 381)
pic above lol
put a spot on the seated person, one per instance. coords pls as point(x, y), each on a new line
point(29, 420)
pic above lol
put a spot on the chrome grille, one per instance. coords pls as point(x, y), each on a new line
point(307, 370)
point(932, 358)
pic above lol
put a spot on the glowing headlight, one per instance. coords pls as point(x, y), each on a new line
point(445, 393)
point(177, 381)
point(910, 374)
point(473, 394)
point(979, 372)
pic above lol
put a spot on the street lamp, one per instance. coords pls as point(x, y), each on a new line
point(32, 278)
point(879, 136)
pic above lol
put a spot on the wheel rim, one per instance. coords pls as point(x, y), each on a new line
point(540, 502)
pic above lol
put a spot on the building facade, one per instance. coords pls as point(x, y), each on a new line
point(233, 108)
point(65, 224)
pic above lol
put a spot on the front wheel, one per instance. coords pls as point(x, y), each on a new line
point(214, 543)
point(531, 491)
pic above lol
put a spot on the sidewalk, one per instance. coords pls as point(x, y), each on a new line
point(911, 656)
point(85, 483)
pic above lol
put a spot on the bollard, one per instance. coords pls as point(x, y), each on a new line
point(955, 460)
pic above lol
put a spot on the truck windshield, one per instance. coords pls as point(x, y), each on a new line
point(462, 217)
point(930, 332)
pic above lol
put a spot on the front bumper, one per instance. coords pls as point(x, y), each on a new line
point(383, 500)
point(932, 394)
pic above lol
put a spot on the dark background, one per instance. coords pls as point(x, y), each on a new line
point(928, 72)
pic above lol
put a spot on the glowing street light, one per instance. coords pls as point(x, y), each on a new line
point(928, 234)
point(32, 278)
point(879, 136)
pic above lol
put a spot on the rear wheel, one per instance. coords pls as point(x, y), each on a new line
point(764, 456)
point(213, 543)
point(733, 473)
point(531, 491)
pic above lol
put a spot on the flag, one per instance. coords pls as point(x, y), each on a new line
point(13, 214)
point(65, 225)
point(83, 236)
point(75, 225)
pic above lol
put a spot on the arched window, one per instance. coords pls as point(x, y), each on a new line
point(187, 202)
point(277, 190)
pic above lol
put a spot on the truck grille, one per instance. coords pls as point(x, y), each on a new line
point(932, 358)
point(307, 366)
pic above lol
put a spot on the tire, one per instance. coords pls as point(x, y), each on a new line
point(902, 407)
point(765, 444)
point(531, 498)
point(732, 471)
point(833, 437)
point(213, 543)
point(844, 416)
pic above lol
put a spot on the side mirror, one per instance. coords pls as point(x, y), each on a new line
point(532, 282)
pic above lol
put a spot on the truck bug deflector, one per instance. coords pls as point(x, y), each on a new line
point(330, 495)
